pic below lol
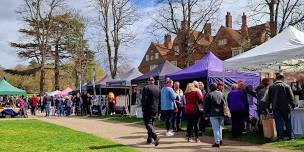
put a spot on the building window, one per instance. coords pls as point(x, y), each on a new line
point(174, 63)
point(152, 67)
point(147, 57)
point(176, 50)
point(151, 57)
point(156, 56)
point(222, 42)
point(237, 51)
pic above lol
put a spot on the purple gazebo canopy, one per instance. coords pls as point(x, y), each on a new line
point(200, 69)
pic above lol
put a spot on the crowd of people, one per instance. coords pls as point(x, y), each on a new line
point(198, 105)
point(80, 105)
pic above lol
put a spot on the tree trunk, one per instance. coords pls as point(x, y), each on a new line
point(56, 68)
point(42, 72)
point(76, 73)
point(273, 24)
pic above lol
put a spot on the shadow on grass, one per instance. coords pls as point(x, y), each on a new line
point(105, 147)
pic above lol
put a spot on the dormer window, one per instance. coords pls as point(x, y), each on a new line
point(222, 42)
point(237, 51)
point(156, 56)
point(176, 50)
point(147, 57)
point(151, 57)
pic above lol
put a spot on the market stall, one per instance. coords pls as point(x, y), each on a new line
point(122, 88)
point(210, 69)
point(282, 53)
point(159, 73)
point(6, 89)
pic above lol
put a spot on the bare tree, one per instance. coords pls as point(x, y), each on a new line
point(37, 16)
point(279, 13)
point(116, 18)
point(193, 13)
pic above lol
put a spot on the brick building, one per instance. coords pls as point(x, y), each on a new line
point(227, 42)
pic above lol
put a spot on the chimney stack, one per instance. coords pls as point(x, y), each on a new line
point(167, 41)
point(228, 20)
point(184, 25)
point(244, 28)
point(207, 29)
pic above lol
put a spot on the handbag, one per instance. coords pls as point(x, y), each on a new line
point(226, 110)
point(200, 107)
point(269, 126)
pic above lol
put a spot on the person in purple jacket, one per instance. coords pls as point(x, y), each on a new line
point(236, 99)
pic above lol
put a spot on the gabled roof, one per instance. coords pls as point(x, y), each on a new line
point(255, 33)
point(233, 34)
point(161, 49)
point(202, 41)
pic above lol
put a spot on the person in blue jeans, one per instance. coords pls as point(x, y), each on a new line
point(281, 97)
point(168, 105)
point(47, 101)
point(214, 109)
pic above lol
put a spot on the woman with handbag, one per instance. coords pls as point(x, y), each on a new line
point(192, 97)
point(214, 109)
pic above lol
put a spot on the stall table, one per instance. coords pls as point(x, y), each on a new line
point(10, 111)
point(297, 121)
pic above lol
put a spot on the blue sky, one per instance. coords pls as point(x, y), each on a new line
point(9, 25)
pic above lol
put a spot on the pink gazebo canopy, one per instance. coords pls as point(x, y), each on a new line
point(65, 92)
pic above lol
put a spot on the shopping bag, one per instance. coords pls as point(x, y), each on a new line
point(269, 126)
point(226, 110)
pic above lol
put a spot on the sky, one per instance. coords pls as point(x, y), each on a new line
point(9, 25)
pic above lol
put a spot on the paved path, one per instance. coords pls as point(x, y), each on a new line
point(134, 136)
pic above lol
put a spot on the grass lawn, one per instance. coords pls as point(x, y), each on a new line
point(251, 137)
point(34, 135)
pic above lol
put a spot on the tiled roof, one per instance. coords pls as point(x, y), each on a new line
point(161, 49)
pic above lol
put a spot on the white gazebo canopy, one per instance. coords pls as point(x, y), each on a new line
point(285, 48)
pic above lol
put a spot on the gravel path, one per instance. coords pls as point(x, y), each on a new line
point(134, 136)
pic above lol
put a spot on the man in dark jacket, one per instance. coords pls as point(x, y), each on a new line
point(281, 97)
point(150, 107)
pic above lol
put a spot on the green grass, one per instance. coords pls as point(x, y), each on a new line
point(34, 135)
point(251, 137)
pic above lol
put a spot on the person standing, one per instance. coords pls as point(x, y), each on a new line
point(89, 104)
point(48, 102)
point(192, 98)
point(34, 105)
point(58, 104)
point(77, 102)
point(150, 107)
point(214, 109)
point(281, 97)
point(22, 106)
point(179, 101)
point(236, 99)
point(111, 103)
point(68, 105)
point(84, 98)
point(261, 91)
point(202, 121)
point(168, 105)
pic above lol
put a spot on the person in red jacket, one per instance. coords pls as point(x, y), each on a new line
point(192, 98)
point(34, 105)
